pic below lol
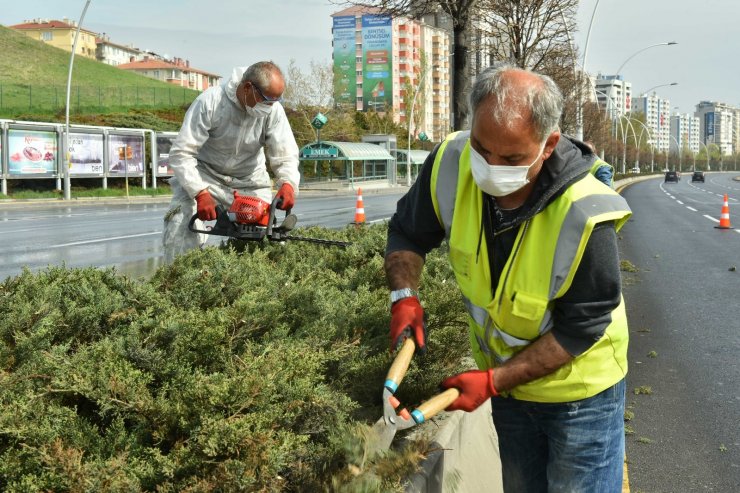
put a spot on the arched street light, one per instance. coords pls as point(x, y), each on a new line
point(667, 43)
point(67, 162)
point(579, 108)
point(652, 144)
point(680, 164)
point(659, 85)
point(417, 89)
point(707, 149)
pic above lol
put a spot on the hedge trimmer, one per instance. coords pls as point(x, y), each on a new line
point(253, 219)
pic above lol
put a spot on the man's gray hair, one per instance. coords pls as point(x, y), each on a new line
point(511, 101)
point(261, 73)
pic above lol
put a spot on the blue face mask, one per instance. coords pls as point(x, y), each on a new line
point(498, 180)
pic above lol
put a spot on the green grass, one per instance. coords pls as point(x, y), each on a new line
point(33, 78)
point(87, 193)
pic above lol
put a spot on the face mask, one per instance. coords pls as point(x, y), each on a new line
point(498, 180)
point(259, 110)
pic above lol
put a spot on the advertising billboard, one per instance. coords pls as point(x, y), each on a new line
point(345, 79)
point(377, 59)
point(32, 152)
point(85, 154)
point(125, 152)
point(709, 126)
point(164, 143)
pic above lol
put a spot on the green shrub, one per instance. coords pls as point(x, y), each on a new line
point(251, 367)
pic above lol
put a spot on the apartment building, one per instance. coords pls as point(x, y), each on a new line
point(60, 34)
point(386, 64)
point(613, 94)
point(115, 54)
point(719, 125)
point(177, 72)
point(685, 133)
point(657, 118)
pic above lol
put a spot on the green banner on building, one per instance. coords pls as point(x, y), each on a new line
point(345, 80)
point(377, 60)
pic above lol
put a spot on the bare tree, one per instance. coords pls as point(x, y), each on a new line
point(536, 35)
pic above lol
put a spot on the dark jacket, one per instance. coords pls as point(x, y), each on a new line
point(583, 313)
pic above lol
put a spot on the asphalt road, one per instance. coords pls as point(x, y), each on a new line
point(128, 236)
point(682, 305)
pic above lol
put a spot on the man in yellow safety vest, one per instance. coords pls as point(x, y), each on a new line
point(533, 244)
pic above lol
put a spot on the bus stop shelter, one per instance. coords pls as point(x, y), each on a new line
point(415, 159)
point(345, 161)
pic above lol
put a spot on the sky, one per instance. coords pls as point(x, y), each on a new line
point(221, 34)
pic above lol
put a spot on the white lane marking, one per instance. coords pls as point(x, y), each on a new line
point(101, 240)
point(711, 218)
point(679, 202)
point(691, 209)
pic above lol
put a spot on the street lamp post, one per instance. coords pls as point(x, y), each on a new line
point(65, 142)
point(652, 144)
point(680, 164)
point(579, 109)
point(667, 43)
point(706, 149)
point(659, 85)
point(417, 89)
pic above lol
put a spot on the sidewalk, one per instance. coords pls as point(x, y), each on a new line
point(334, 188)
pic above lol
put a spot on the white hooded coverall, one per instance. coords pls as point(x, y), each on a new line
point(222, 148)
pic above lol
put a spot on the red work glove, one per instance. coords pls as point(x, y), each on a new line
point(475, 386)
point(206, 205)
point(407, 320)
point(286, 193)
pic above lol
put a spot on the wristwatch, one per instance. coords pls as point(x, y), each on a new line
point(400, 294)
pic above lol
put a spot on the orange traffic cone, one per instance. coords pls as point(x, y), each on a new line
point(724, 217)
point(359, 209)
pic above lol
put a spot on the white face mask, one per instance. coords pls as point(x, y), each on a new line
point(498, 180)
point(259, 110)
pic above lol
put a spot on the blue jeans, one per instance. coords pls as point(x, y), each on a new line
point(564, 447)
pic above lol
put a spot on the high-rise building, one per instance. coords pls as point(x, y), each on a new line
point(718, 125)
point(657, 118)
point(614, 94)
point(685, 129)
point(383, 64)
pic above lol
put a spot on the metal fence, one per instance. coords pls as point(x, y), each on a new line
point(22, 97)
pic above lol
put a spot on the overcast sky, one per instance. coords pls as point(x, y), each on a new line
point(218, 35)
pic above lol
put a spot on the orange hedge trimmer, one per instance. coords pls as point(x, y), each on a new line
point(253, 219)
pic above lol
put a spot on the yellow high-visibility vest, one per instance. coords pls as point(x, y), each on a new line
point(540, 269)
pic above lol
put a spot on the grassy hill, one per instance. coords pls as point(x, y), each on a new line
point(33, 79)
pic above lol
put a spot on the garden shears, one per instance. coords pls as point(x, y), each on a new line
point(391, 422)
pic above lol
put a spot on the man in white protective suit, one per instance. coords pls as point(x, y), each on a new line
point(221, 147)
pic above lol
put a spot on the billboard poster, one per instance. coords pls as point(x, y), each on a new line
point(377, 59)
point(709, 124)
point(85, 154)
point(125, 152)
point(345, 79)
point(32, 152)
point(164, 143)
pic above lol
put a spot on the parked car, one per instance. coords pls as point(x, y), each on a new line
point(698, 176)
point(671, 176)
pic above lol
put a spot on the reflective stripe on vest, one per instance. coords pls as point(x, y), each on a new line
point(552, 244)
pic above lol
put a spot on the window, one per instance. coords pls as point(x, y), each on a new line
point(46, 36)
